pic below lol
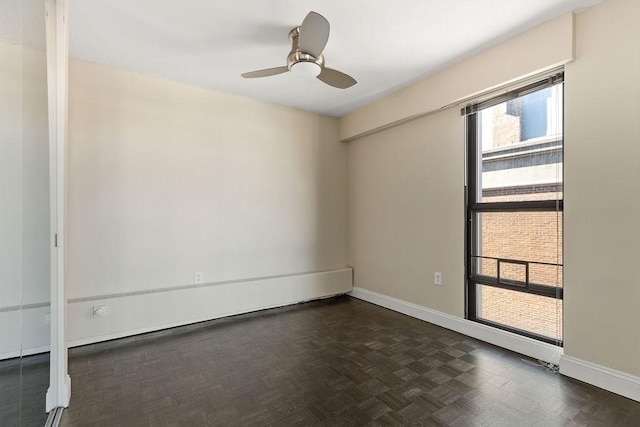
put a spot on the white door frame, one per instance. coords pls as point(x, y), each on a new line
point(57, 26)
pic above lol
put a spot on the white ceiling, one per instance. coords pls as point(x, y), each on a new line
point(384, 44)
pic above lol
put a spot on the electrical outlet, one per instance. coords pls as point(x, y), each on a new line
point(437, 278)
point(198, 277)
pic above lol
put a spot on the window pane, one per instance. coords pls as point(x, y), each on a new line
point(549, 275)
point(520, 148)
point(524, 236)
point(512, 272)
point(485, 267)
point(532, 313)
point(516, 163)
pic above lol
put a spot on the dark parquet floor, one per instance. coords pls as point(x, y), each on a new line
point(23, 387)
point(333, 362)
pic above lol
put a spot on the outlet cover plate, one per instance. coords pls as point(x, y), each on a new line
point(437, 278)
point(197, 277)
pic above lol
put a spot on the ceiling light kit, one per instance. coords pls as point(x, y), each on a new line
point(305, 58)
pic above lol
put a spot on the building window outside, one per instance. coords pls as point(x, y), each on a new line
point(514, 211)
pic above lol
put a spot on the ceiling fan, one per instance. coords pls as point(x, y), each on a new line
point(307, 43)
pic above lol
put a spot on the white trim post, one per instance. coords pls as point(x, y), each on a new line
point(57, 27)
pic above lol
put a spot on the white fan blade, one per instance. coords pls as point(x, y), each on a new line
point(314, 34)
point(336, 78)
point(265, 73)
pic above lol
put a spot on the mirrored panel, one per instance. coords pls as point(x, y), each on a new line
point(24, 217)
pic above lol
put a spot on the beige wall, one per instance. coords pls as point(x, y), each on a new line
point(166, 179)
point(602, 173)
point(406, 186)
point(406, 211)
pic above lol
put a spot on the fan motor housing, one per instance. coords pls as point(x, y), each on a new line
point(296, 55)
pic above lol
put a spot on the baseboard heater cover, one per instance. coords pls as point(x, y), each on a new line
point(136, 313)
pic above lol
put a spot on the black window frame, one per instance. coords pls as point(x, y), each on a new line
point(473, 207)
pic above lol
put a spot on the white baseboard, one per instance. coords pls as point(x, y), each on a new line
point(609, 379)
point(614, 381)
point(504, 339)
point(132, 314)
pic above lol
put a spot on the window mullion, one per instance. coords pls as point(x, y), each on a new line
point(529, 205)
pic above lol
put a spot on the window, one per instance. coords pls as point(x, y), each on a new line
point(514, 211)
